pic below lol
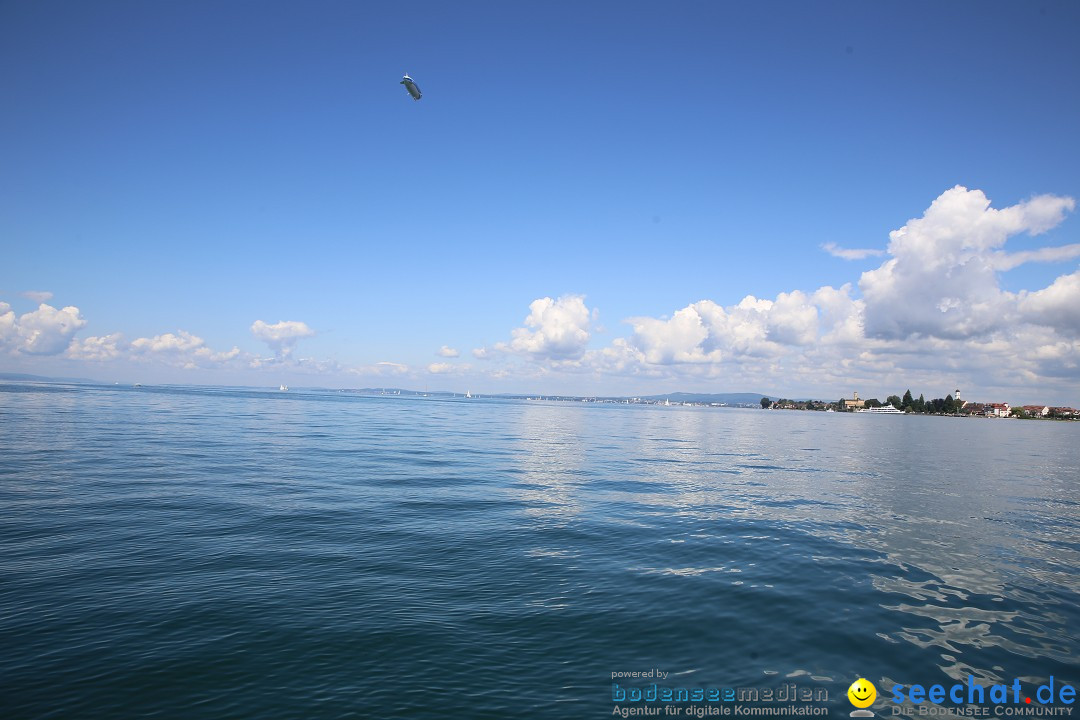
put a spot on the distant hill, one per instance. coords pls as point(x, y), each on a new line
point(23, 377)
point(400, 391)
point(729, 398)
point(682, 397)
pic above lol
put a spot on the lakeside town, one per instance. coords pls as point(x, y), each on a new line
point(949, 405)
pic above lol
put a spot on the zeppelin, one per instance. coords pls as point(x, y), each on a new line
point(411, 87)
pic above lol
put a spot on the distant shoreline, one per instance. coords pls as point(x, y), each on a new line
point(676, 399)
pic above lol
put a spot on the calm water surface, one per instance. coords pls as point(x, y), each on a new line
point(217, 553)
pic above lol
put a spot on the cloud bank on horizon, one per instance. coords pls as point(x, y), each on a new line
point(933, 311)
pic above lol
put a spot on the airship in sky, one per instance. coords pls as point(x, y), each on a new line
point(411, 87)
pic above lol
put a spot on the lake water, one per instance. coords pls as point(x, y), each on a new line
point(225, 553)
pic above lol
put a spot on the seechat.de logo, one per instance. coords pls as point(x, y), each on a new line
point(972, 693)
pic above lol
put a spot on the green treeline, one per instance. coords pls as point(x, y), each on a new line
point(938, 406)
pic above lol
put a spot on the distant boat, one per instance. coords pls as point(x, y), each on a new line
point(468, 393)
point(283, 388)
point(883, 410)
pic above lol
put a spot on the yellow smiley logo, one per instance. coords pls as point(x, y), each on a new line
point(862, 693)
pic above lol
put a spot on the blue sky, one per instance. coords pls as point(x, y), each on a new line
point(175, 173)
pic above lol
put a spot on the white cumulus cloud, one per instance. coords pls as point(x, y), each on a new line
point(679, 339)
point(1008, 261)
point(941, 280)
point(181, 349)
point(840, 315)
point(108, 347)
point(708, 333)
point(850, 253)
point(1057, 306)
point(281, 337)
point(48, 331)
point(180, 342)
point(793, 319)
point(555, 329)
point(448, 352)
point(383, 368)
point(8, 333)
